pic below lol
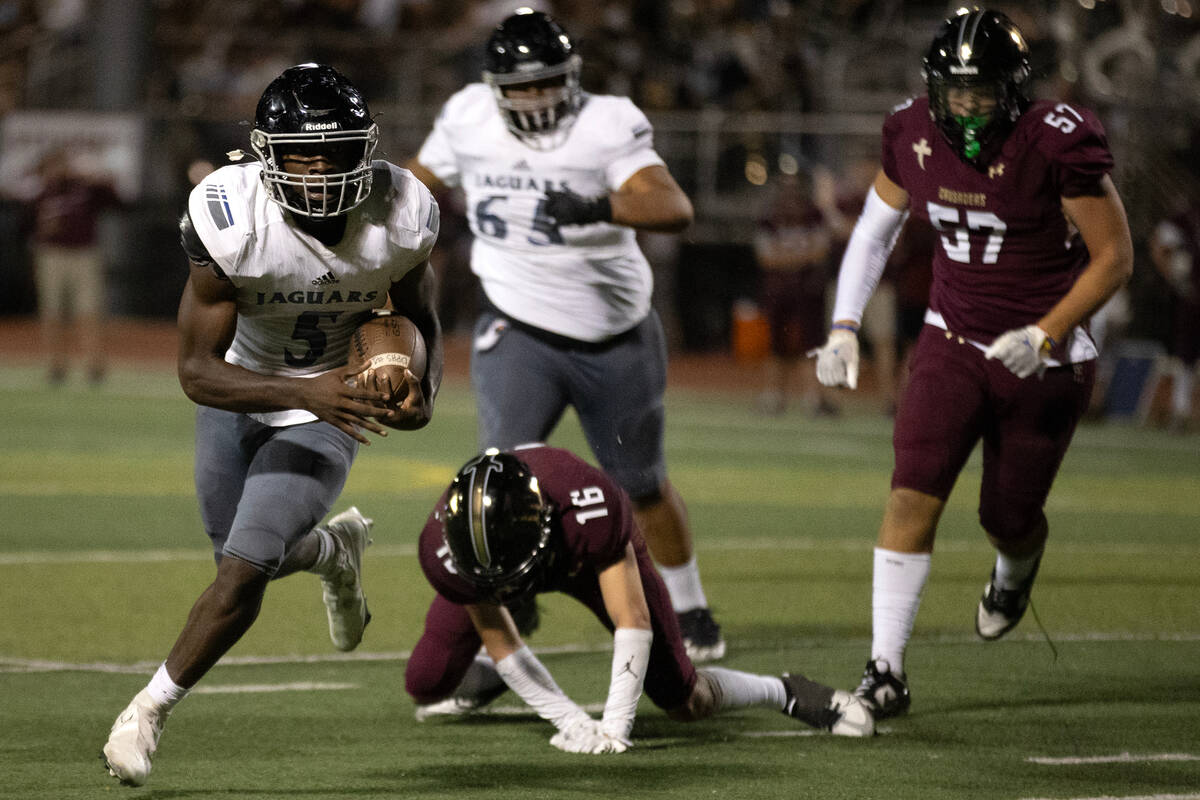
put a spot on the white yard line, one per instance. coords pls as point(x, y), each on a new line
point(13, 664)
point(1125, 797)
point(1120, 758)
point(255, 688)
point(849, 545)
point(17, 664)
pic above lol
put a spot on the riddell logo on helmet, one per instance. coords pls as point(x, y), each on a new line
point(320, 126)
point(967, 70)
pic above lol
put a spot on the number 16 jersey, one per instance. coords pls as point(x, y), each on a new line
point(1005, 252)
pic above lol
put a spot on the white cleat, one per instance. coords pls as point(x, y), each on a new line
point(345, 603)
point(855, 717)
point(450, 707)
point(133, 740)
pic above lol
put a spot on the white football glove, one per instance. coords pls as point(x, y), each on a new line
point(1022, 350)
point(837, 360)
point(586, 736)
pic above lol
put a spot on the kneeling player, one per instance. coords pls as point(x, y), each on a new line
point(539, 519)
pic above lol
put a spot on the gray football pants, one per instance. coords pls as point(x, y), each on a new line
point(524, 380)
point(261, 488)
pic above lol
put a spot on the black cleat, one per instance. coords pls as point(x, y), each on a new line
point(884, 691)
point(701, 635)
point(1001, 609)
point(826, 708)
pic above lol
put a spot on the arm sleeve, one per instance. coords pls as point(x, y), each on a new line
point(533, 683)
point(192, 246)
point(866, 255)
point(631, 655)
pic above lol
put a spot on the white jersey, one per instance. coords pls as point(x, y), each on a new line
point(299, 301)
point(588, 282)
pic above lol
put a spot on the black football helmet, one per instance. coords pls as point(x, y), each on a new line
point(985, 52)
point(497, 525)
point(530, 47)
point(312, 109)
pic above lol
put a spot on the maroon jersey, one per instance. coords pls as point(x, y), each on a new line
point(1005, 251)
point(69, 209)
point(594, 524)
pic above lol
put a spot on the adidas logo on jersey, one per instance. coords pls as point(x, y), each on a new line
point(328, 279)
point(522, 164)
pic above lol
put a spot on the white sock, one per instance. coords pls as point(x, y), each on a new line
point(1010, 572)
point(164, 691)
point(896, 596)
point(326, 552)
point(683, 584)
point(742, 689)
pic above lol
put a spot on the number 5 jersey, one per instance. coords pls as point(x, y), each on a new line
point(298, 300)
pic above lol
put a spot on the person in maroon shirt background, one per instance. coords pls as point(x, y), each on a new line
point(540, 519)
point(1175, 251)
point(1031, 239)
point(791, 248)
point(68, 262)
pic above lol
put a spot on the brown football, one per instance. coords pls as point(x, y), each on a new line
point(390, 343)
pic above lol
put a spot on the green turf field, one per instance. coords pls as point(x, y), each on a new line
point(101, 556)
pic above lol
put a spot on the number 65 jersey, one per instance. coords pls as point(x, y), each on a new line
point(298, 300)
point(1005, 252)
point(588, 282)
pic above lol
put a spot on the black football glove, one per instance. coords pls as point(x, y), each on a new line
point(568, 208)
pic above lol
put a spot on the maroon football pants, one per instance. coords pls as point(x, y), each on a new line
point(956, 398)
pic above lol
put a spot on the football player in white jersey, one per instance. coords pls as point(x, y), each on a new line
point(288, 254)
point(557, 184)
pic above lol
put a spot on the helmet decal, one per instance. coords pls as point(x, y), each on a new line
point(497, 525)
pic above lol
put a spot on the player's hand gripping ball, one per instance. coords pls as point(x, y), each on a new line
point(389, 344)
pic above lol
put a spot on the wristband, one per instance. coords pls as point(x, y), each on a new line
point(1048, 343)
point(841, 326)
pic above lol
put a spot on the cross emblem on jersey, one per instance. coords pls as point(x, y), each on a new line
point(995, 171)
point(922, 149)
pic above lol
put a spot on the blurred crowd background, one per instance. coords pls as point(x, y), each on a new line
point(763, 109)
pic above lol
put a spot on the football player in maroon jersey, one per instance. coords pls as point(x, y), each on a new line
point(540, 519)
point(1031, 239)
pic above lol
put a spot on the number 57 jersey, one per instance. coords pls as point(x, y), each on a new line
point(1005, 252)
point(588, 282)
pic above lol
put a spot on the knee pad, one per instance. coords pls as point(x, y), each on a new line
point(437, 667)
point(428, 681)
